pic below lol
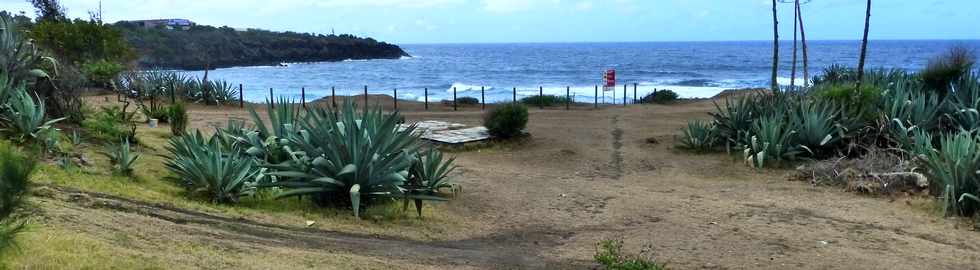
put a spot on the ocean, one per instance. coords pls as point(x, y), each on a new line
point(692, 69)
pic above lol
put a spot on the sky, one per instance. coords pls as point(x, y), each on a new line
point(503, 21)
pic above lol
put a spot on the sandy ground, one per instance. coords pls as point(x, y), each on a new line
point(587, 175)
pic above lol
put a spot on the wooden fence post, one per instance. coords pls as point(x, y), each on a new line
point(365, 97)
point(515, 95)
point(396, 99)
point(483, 98)
point(302, 96)
point(596, 97)
point(241, 96)
point(454, 98)
point(568, 99)
point(426, 98)
point(624, 95)
point(540, 97)
point(333, 96)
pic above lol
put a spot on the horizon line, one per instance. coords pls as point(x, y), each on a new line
point(668, 41)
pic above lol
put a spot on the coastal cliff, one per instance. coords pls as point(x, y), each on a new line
point(200, 46)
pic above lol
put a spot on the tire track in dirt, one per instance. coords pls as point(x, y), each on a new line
point(617, 153)
point(510, 250)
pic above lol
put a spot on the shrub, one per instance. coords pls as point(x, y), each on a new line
point(467, 101)
point(101, 72)
point(945, 69)
point(15, 172)
point(699, 136)
point(506, 121)
point(177, 116)
point(953, 167)
point(161, 113)
point(343, 156)
point(122, 158)
point(857, 104)
point(110, 124)
point(660, 97)
point(204, 167)
point(544, 100)
point(609, 255)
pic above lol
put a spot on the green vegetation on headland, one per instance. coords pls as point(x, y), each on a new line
point(203, 46)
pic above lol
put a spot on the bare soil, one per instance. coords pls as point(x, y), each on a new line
point(583, 176)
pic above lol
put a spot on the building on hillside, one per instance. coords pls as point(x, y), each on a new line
point(183, 24)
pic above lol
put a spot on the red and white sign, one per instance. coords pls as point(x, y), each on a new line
point(610, 78)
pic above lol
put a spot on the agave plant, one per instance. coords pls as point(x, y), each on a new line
point(907, 102)
point(699, 136)
point(267, 141)
point(964, 105)
point(342, 155)
point(815, 126)
point(123, 159)
point(206, 168)
point(771, 142)
point(428, 179)
point(954, 167)
point(19, 57)
point(735, 118)
point(25, 118)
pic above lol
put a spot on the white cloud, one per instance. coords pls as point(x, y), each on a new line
point(509, 6)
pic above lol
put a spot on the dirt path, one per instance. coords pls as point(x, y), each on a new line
point(589, 175)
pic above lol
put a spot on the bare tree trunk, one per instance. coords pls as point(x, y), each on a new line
point(864, 45)
point(775, 48)
point(806, 62)
point(796, 16)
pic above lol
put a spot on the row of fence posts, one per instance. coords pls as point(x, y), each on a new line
point(483, 104)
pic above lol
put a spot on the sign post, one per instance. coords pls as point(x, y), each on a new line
point(610, 83)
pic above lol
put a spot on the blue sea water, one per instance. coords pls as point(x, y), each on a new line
point(692, 69)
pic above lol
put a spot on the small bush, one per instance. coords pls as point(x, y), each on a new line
point(945, 69)
point(699, 136)
point(506, 121)
point(660, 97)
point(110, 125)
point(859, 104)
point(177, 116)
point(15, 172)
point(609, 255)
point(161, 113)
point(467, 101)
point(101, 72)
point(544, 100)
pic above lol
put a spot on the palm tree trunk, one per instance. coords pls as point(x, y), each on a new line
point(864, 45)
point(796, 23)
point(775, 48)
point(806, 62)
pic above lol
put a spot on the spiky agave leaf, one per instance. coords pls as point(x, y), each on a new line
point(428, 178)
point(953, 167)
point(699, 136)
point(205, 167)
point(340, 149)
